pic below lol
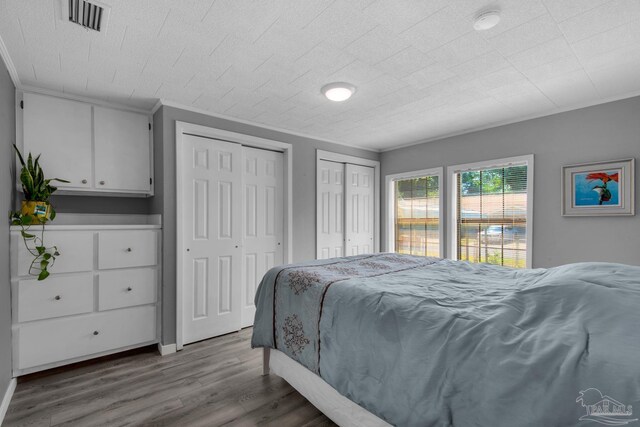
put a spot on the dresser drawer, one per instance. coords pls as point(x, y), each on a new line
point(57, 296)
point(126, 288)
point(118, 249)
point(40, 343)
point(75, 247)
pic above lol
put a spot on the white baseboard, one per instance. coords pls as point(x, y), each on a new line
point(166, 349)
point(7, 399)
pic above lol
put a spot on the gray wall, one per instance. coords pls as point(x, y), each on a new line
point(102, 205)
point(603, 132)
point(304, 201)
point(7, 183)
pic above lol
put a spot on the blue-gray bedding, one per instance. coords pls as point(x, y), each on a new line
point(433, 342)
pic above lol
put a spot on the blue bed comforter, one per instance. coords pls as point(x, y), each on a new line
point(432, 342)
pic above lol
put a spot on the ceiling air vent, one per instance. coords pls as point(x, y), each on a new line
point(85, 13)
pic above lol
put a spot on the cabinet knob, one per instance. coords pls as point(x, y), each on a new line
point(84, 181)
point(95, 332)
point(101, 182)
point(57, 298)
point(129, 289)
point(129, 249)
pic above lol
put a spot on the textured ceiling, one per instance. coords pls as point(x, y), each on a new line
point(420, 68)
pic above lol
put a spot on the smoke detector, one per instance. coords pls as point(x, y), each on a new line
point(486, 20)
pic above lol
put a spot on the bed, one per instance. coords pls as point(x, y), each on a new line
point(390, 339)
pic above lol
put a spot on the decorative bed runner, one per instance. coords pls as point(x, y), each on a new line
point(299, 293)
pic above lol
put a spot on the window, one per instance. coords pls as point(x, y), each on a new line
point(414, 208)
point(491, 212)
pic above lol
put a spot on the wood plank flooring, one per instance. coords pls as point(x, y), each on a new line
point(211, 383)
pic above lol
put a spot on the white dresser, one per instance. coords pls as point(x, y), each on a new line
point(101, 297)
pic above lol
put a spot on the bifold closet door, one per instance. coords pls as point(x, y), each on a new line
point(212, 237)
point(263, 221)
point(330, 209)
point(359, 209)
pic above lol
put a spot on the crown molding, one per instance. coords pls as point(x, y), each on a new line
point(156, 106)
point(164, 102)
point(11, 68)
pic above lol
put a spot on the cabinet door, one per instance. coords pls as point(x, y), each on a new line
point(59, 130)
point(122, 156)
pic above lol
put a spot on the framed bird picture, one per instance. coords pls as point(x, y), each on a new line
point(599, 189)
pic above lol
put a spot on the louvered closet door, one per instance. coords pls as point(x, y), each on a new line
point(212, 176)
point(330, 209)
point(263, 221)
point(359, 209)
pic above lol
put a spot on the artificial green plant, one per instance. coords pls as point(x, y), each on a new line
point(36, 188)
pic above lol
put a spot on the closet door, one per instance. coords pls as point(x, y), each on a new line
point(330, 209)
point(211, 185)
point(262, 219)
point(359, 209)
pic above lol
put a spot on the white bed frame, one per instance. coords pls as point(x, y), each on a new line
point(341, 410)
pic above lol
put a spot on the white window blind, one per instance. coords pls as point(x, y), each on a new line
point(417, 215)
point(492, 215)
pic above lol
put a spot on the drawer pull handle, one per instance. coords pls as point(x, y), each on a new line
point(129, 289)
point(129, 249)
point(84, 181)
point(95, 332)
point(57, 298)
point(101, 182)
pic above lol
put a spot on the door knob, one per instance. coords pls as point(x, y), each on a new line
point(101, 182)
point(129, 289)
point(95, 332)
point(57, 298)
point(129, 249)
point(84, 181)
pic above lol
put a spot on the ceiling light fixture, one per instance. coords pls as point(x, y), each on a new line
point(338, 91)
point(486, 20)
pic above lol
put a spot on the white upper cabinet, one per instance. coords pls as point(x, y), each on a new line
point(100, 150)
point(121, 147)
point(60, 130)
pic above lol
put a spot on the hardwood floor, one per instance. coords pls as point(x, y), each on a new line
point(211, 383)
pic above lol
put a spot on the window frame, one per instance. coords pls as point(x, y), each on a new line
point(452, 220)
point(391, 214)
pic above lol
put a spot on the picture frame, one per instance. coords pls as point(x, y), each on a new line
point(599, 188)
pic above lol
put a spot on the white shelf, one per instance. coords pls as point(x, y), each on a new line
point(68, 221)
